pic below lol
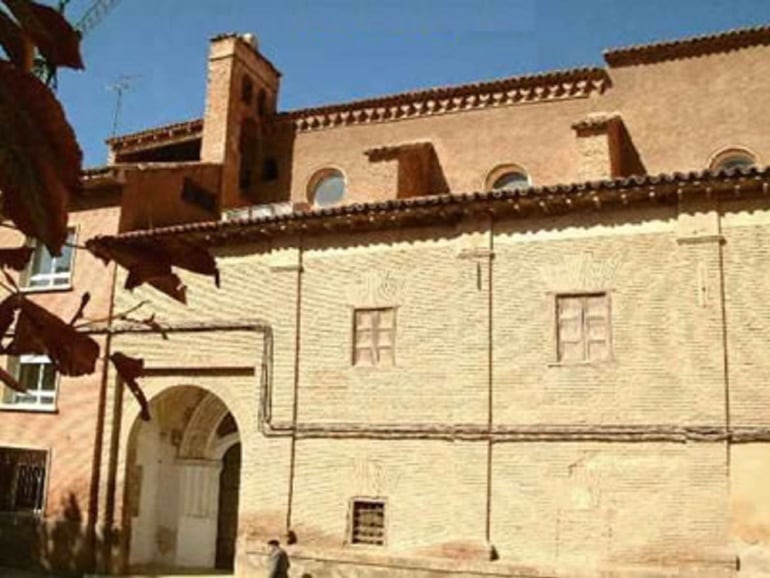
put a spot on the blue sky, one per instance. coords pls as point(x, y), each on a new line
point(337, 50)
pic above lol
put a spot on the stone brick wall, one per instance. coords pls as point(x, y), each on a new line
point(600, 464)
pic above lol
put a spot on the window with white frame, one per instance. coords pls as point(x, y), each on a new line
point(37, 375)
point(374, 336)
point(582, 327)
point(45, 270)
point(22, 479)
point(367, 521)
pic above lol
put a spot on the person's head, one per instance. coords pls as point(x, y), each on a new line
point(273, 544)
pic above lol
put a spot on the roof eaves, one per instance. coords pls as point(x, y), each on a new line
point(688, 47)
point(445, 208)
point(189, 129)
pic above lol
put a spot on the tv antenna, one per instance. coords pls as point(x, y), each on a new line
point(122, 84)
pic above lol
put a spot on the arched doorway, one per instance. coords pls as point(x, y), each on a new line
point(182, 483)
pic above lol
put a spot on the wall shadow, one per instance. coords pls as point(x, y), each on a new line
point(60, 545)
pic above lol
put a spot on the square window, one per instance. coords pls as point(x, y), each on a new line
point(582, 327)
point(37, 374)
point(22, 479)
point(374, 336)
point(46, 271)
point(367, 521)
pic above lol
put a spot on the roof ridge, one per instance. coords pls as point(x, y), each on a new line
point(168, 127)
point(688, 47)
point(533, 78)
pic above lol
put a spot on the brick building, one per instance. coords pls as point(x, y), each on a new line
point(514, 327)
point(49, 438)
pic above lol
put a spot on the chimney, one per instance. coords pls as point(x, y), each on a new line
point(605, 148)
point(241, 95)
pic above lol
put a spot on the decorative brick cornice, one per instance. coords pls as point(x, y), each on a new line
point(430, 210)
point(688, 47)
point(176, 132)
point(550, 86)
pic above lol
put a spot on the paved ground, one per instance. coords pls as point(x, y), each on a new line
point(13, 573)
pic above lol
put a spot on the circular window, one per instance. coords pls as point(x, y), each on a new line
point(327, 188)
point(507, 177)
point(732, 159)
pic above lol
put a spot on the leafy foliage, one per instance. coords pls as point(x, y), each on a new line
point(153, 264)
point(16, 259)
point(40, 168)
point(130, 369)
point(40, 160)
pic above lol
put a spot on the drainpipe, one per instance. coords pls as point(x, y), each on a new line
point(93, 501)
point(295, 401)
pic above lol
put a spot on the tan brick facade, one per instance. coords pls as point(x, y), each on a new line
point(487, 452)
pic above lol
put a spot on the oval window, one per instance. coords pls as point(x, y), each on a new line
point(732, 159)
point(327, 188)
point(510, 180)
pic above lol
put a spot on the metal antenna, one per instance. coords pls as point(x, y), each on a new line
point(121, 85)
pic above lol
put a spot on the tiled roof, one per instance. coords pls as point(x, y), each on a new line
point(448, 208)
point(688, 47)
point(178, 130)
point(555, 85)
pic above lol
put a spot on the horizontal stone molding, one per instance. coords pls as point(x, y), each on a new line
point(701, 239)
point(500, 433)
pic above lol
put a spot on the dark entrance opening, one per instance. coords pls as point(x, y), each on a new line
point(227, 519)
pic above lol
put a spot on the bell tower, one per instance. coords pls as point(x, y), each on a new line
point(241, 96)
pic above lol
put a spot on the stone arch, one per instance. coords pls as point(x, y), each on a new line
point(201, 431)
point(173, 477)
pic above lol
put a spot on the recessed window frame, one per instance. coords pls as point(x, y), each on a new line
point(48, 279)
point(505, 169)
point(728, 155)
point(376, 329)
point(247, 90)
point(351, 525)
point(318, 177)
point(42, 494)
point(11, 398)
point(557, 336)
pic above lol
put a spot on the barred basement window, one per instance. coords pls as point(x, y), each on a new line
point(582, 327)
point(22, 480)
point(374, 336)
point(367, 522)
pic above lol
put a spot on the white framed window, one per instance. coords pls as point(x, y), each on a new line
point(582, 327)
point(374, 336)
point(46, 271)
point(22, 479)
point(367, 521)
point(37, 374)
